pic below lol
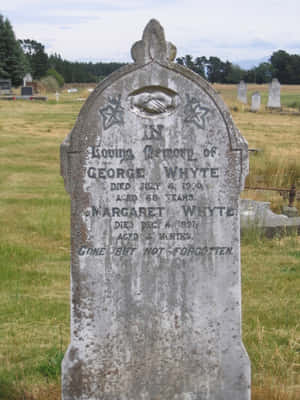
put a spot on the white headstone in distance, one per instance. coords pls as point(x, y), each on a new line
point(242, 92)
point(154, 167)
point(27, 78)
point(274, 94)
point(255, 101)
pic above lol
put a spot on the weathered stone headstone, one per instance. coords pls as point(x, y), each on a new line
point(26, 91)
point(154, 167)
point(242, 92)
point(5, 86)
point(255, 101)
point(274, 94)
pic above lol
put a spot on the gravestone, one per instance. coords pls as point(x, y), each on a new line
point(5, 86)
point(274, 94)
point(26, 91)
point(242, 92)
point(255, 101)
point(154, 167)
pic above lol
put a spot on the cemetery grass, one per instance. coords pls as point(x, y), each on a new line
point(34, 250)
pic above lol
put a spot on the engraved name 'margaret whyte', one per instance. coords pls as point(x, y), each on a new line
point(139, 173)
point(153, 212)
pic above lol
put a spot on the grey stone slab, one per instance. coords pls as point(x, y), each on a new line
point(242, 92)
point(154, 167)
point(274, 94)
point(255, 101)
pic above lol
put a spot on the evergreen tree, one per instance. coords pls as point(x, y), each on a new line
point(12, 59)
point(286, 67)
point(36, 56)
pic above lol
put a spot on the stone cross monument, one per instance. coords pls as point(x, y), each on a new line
point(154, 167)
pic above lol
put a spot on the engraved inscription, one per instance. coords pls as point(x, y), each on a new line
point(141, 205)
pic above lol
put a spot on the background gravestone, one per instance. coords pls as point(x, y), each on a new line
point(242, 92)
point(274, 94)
point(26, 91)
point(27, 78)
point(154, 166)
point(5, 86)
point(255, 101)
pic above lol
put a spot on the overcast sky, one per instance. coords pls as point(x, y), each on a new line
point(104, 30)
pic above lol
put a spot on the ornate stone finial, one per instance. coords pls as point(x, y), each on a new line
point(153, 45)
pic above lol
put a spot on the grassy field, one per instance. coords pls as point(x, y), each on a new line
point(34, 248)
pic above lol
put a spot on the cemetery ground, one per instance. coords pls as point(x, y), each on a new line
point(34, 247)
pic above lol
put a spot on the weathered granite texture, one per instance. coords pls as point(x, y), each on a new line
point(274, 94)
point(255, 102)
point(154, 167)
point(242, 92)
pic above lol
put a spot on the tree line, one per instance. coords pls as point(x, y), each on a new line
point(17, 57)
point(283, 66)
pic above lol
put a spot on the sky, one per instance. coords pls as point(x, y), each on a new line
point(243, 32)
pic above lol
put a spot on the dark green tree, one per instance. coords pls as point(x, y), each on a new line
point(262, 73)
point(36, 56)
point(197, 66)
point(12, 60)
point(234, 73)
point(216, 70)
point(59, 78)
point(281, 63)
